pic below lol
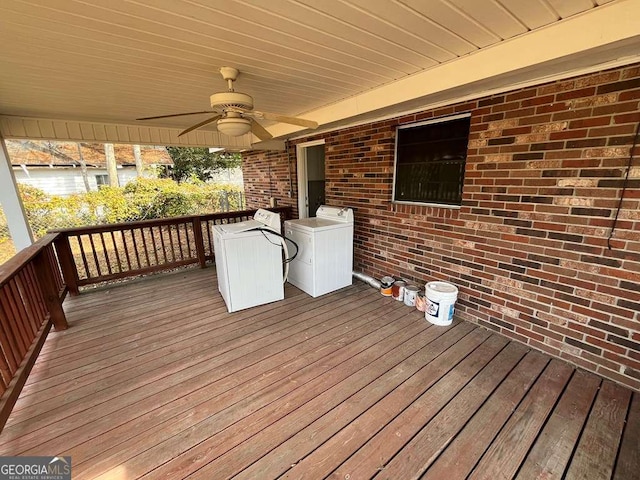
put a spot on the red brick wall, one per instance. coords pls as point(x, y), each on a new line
point(528, 248)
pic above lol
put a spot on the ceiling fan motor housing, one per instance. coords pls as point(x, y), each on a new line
point(224, 100)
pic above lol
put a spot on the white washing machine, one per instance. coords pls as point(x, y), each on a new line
point(249, 261)
point(324, 262)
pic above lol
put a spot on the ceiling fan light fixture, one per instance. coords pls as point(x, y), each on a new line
point(234, 126)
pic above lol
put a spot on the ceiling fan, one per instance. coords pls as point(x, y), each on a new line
point(234, 114)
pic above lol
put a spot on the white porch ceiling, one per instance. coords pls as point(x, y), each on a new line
point(104, 63)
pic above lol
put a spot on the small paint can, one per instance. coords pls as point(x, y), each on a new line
point(397, 290)
point(386, 284)
point(421, 302)
point(410, 293)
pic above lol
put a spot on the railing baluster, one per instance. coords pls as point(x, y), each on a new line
point(126, 250)
point(115, 249)
point(83, 255)
point(27, 298)
point(8, 340)
point(146, 249)
point(134, 244)
point(106, 252)
point(164, 250)
point(38, 290)
point(179, 241)
point(16, 325)
point(95, 255)
point(155, 247)
point(171, 242)
point(22, 308)
point(187, 240)
point(5, 372)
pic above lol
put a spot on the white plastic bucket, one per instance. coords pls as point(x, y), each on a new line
point(441, 299)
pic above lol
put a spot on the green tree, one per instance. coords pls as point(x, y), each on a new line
point(199, 163)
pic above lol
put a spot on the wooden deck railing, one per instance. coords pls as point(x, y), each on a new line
point(31, 294)
point(102, 253)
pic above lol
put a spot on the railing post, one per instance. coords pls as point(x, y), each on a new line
point(50, 290)
point(197, 234)
point(67, 264)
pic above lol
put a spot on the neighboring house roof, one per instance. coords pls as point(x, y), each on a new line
point(62, 154)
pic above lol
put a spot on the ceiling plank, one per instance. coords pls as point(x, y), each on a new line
point(532, 13)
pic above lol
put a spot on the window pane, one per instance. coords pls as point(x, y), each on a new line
point(430, 161)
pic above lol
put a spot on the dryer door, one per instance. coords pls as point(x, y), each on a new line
point(301, 268)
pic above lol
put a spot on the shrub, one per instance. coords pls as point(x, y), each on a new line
point(141, 199)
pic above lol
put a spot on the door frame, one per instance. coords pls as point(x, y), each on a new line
point(301, 170)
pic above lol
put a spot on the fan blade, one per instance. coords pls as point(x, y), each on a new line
point(198, 125)
point(259, 131)
point(285, 119)
point(175, 115)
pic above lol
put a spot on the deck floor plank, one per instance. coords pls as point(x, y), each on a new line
point(459, 458)
point(154, 379)
point(507, 451)
point(628, 462)
point(596, 451)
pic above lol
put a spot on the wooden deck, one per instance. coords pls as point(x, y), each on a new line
point(154, 379)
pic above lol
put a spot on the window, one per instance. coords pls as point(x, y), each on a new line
point(102, 180)
point(430, 161)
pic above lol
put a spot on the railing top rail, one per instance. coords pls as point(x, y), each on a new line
point(159, 221)
point(16, 263)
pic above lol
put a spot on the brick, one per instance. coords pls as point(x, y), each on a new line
point(631, 184)
point(528, 156)
point(630, 286)
point(624, 342)
point(491, 101)
point(630, 95)
point(559, 173)
point(592, 142)
point(501, 141)
point(598, 78)
point(590, 122)
point(583, 346)
point(630, 305)
point(550, 127)
point(626, 118)
point(616, 108)
point(609, 328)
point(617, 86)
point(582, 92)
point(566, 237)
point(592, 212)
point(546, 146)
point(577, 182)
point(601, 172)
